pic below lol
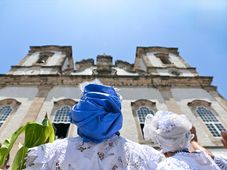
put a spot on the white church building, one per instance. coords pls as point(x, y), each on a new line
point(47, 80)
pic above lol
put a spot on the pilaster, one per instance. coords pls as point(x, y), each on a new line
point(37, 103)
point(218, 97)
point(32, 113)
point(169, 100)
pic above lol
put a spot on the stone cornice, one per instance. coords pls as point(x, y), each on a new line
point(157, 49)
point(66, 49)
point(131, 81)
point(41, 66)
point(182, 68)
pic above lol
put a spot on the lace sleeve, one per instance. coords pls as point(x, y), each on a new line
point(172, 164)
point(153, 157)
point(221, 162)
point(37, 158)
point(44, 156)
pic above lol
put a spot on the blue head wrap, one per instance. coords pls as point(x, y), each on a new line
point(98, 114)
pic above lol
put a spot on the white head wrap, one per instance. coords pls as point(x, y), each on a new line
point(170, 130)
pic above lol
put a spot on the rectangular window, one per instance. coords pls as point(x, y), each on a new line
point(164, 58)
point(213, 124)
point(43, 57)
point(61, 130)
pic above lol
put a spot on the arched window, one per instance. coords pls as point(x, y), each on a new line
point(5, 110)
point(62, 115)
point(142, 113)
point(164, 58)
point(140, 109)
point(43, 57)
point(210, 120)
point(61, 121)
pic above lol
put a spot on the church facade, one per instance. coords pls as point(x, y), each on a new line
point(46, 81)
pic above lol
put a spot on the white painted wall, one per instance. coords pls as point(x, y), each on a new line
point(31, 59)
point(130, 95)
point(177, 61)
point(122, 72)
point(25, 96)
point(154, 60)
point(191, 93)
point(87, 71)
point(65, 64)
point(129, 129)
point(142, 64)
point(140, 93)
point(172, 57)
point(36, 70)
point(58, 93)
point(55, 59)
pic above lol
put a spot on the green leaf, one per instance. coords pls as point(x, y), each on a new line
point(34, 134)
point(37, 134)
point(51, 132)
point(8, 144)
point(19, 160)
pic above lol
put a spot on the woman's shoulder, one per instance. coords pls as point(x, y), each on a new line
point(197, 159)
point(140, 148)
point(141, 154)
point(49, 148)
point(172, 164)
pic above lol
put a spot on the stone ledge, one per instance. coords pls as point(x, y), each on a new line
point(154, 81)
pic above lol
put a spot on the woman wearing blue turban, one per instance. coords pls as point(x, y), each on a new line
point(98, 119)
point(98, 114)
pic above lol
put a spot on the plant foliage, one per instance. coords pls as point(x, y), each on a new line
point(35, 135)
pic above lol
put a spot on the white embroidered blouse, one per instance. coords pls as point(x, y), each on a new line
point(188, 161)
point(73, 153)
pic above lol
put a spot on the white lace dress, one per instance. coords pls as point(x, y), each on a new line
point(188, 161)
point(73, 153)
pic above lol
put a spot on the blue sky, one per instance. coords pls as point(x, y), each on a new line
point(197, 27)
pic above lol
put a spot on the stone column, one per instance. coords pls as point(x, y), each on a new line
point(37, 103)
point(169, 100)
point(218, 98)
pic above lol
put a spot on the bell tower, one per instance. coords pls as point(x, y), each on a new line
point(45, 60)
point(162, 61)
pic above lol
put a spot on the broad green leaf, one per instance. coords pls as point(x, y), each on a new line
point(34, 134)
point(37, 134)
point(8, 144)
point(19, 160)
